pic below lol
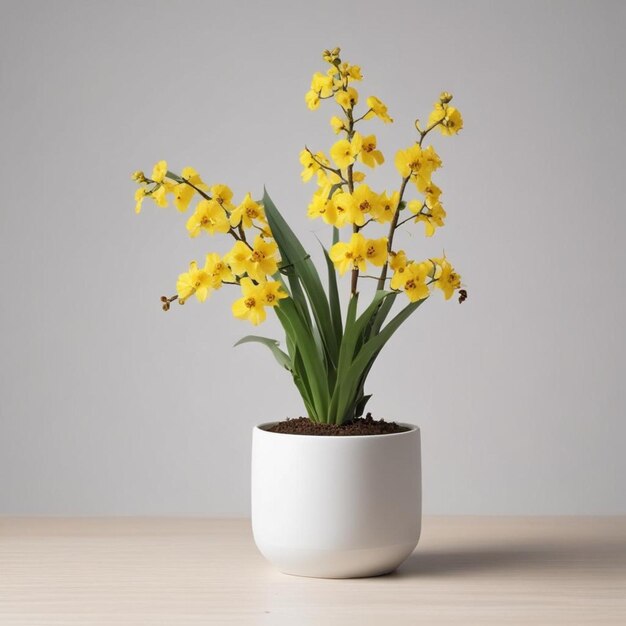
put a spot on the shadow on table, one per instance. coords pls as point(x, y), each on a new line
point(523, 557)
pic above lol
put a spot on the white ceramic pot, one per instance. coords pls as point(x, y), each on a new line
point(336, 507)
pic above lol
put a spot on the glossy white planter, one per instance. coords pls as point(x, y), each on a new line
point(336, 507)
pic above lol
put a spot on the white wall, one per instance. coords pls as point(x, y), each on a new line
point(110, 406)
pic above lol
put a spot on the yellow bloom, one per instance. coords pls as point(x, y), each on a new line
point(448, 119)
point(433, 218)
point(386, 207)
point(338, 124)
point(353, 72)
point(410, 163)
point(250, 307)
point(140, 196)
point(378, 109)
point(355, 253)
point(349, 255)
point(430, 190)
point(271, 293)
point(238, 257)
point(447, 279)
point(312, 100)
point(183, 195)
point(255, 298)
point(348, 98)
point(412, 280)
point(369, 154)
point(322, 85)
point(196, 281)
point(431, 160)
point(258, 261)
point(262, 261)
point(209, 216)
point(223, 195)
point(322, 206)
point(397, 260)
point(376, 251)
point(159, 171)
point(310, 165)
point(344, 152)
point(159, 194)
point(218, 270)
point(366, 202)
point(346, 210)
point(246, 212)
point(398, 263)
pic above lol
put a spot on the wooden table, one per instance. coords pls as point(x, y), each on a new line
point(466, 570)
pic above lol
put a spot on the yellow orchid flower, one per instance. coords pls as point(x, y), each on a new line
point(386, 207)
point(347, 99)
point(369, 154)
point(366, 203)
point(255, 298)
point(446, 278)
point(346, 209)
point(412, 280)
point(377, 109)
point(448, 119)
point(258, 262)
point(208, 216)
point(338, 124)
point(432, 219)
point(344, 152)
point(195, 281)
point(223, 195)
point(218, 270)
point(355, 253)
point(159, 171)
point(322, 206)
point(247, 212)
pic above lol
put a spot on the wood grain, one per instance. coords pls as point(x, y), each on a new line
point(466, 570)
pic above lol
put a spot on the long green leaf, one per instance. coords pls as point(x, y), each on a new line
point(294, 255)
point(353, 333)
point(368, 353)
point(282, 358)
point(333, 297)
point(313, 363)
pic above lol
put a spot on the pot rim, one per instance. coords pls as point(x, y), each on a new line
point(411, 429)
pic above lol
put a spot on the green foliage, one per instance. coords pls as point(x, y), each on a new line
point(328, 360)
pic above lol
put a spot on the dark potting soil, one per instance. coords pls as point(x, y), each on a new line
point(360, 426)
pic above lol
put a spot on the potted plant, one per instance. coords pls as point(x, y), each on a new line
point(333, 494)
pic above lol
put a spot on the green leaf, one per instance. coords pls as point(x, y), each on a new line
point(313, 364)
point(360, 405)
point(352, 338)
point(274, 345)
point(368, 353)
point(293, 254)
point(333, 297)
point(381, 314)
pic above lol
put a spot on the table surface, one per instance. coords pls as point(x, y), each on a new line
point(469, 570)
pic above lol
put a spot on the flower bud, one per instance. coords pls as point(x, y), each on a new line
point(445, 97)
point(138, 176)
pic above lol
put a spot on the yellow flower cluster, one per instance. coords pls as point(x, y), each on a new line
point(416, 278)
point(248, 264)
point(342, 198)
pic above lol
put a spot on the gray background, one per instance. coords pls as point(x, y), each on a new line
point(110, 406)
